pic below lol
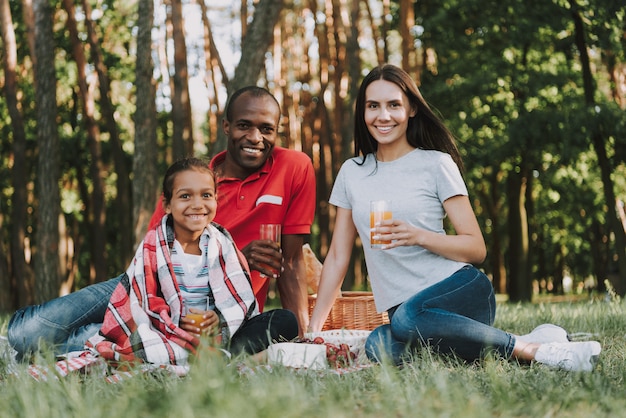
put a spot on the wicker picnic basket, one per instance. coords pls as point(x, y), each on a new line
point(352, 310)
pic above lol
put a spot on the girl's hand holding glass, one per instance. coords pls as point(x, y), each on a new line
point(199, 322)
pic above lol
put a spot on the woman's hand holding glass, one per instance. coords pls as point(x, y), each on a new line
point(465, 245)
point(399, 232)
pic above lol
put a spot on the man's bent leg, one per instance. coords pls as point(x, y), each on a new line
point(63, 323)
point(256, 334)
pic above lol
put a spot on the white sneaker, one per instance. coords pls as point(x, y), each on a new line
point(545, 333)
point(571, 356)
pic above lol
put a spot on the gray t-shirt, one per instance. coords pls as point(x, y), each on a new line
point(417, 184)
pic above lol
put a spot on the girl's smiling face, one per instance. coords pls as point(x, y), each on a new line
point(193, 204)
point(387, 113)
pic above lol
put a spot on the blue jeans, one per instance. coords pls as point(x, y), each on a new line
point(258, 332)
point(453, 316)
point(63, 324)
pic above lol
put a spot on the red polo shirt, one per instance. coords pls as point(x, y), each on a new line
point(282, 191)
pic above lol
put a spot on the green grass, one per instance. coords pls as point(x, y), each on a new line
point(431, 386)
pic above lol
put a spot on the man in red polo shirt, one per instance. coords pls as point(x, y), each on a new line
point(259, 182)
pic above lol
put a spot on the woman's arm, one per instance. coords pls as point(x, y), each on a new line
point(468, 245)
point(334, 268)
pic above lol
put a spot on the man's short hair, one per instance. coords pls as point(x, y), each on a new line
point(254, 91)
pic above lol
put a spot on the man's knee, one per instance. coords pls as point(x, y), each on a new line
point(285, 323)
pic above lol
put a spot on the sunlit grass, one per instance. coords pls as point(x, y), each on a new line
point(431, 386)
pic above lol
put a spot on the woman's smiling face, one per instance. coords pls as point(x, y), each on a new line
point(387, 112)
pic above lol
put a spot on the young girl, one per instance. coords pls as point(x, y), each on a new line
point(187, 264)
point(424, 278)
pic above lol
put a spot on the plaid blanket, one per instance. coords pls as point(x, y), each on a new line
point(85, 362)
point(141, 321)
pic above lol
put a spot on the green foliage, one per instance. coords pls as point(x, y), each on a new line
point(508, 81)
point(505, 75)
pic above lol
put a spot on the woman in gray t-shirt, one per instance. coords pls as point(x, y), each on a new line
point(423, 277)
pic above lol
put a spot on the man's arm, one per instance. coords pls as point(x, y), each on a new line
point(292, 284)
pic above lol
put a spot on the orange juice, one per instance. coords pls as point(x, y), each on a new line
point(198, 318)
point(380, 210)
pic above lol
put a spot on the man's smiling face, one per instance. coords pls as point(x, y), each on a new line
point(252, 133)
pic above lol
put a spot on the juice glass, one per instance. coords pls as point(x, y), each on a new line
point(379, 210)
point(200, 303)
point(273, 233)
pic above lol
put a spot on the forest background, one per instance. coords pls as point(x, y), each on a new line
point(99, 97)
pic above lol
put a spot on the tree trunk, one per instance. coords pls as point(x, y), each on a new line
point(384, 29)
point(17, 287)
point(243, 17)
point(519, 286)
point(491, 201)
point(29, 23)
point(529, 215)
point(409, 52)
point(377, 37)
point(615, 69)
point(285, 39)
point(97, 215)
point(354, 65)
point(182, 140)
point(144, 162)
point(47, 267)
point(600, 251)
point(214, 75)
point(124, 237)
point(259, 35)
point(163, 65)
point(326, 172)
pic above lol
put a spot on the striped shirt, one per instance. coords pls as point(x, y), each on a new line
point(192, 275)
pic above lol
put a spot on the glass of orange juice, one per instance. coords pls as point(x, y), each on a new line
point(199, 303)
point(380, 210)
point(272, 232)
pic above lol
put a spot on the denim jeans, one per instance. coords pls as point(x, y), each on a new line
point(453, 316)
point(63, 324)
point(257, 333)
